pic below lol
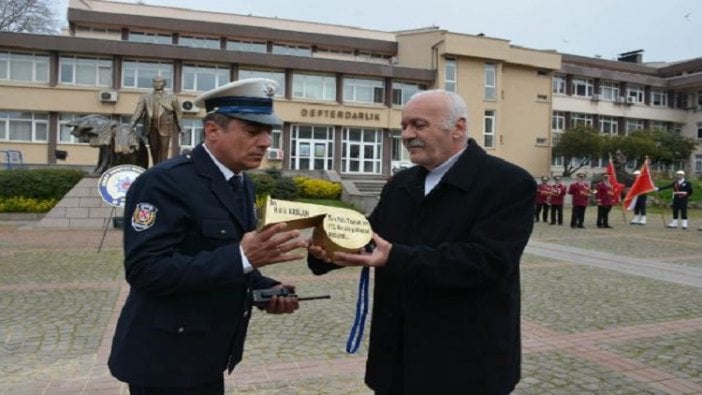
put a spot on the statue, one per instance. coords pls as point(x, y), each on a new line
point(161, 115)
point(116, 142)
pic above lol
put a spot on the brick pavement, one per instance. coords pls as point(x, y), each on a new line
point(586, 328)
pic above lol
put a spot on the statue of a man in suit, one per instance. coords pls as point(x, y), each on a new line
point(161, 116)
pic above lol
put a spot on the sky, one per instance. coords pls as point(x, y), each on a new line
point(667, 31)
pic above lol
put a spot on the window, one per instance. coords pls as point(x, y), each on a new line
point(277, 76)
point(636, 92)
point(659, 125)
point(204, 78)
point(24, 67)
point(362, 151)
point(699, 130)
point(198, 42)
point(558, 84)
point(489, 129)
point(450, 75)
point(85, 71)
point(64, 134)
point(659, 98)
point(247, 46)
point(316, 87)
point(24, 126)
point(312, 147)
point(609, 90)
point(582, 87)
point(140, 73)
point(192, 133)
point(292, 50)
point(558, 120)
point(698, 164)
point(151, 38)
point(579, 119)
point(634, 124)
point(334, 53)
point(399, 152)
point(609, 125)
point(361, 90)
point(490, 82)
point(373, 57)
point(403, 91)
point(276, 138)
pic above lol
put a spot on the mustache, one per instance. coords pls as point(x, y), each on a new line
point(415, 142)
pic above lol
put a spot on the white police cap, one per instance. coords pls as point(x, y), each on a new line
point(249, 99)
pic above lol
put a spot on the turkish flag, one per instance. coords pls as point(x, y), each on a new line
point(642, 185)
point(616, 186)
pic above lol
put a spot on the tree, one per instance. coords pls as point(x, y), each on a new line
point(578, 146)
point(27, 16)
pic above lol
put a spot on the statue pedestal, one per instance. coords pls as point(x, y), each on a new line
point(81, 208)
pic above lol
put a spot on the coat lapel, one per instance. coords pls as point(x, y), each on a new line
point(207, 169)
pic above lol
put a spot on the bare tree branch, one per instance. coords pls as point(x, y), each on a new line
point(27, 16)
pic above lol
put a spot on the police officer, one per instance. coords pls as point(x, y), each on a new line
point(192, 252)
point(681, 192)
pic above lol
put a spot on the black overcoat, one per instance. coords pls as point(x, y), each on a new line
point(446, 306)
point(185, 319)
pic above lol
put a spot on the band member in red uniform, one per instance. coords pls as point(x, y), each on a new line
point(604, 195)
point(543, 192)
point(580, 190)
point(558, 191)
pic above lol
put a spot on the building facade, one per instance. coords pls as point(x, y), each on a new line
point(618, 97)
point(341, 88)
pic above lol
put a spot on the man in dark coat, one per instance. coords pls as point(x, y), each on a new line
point(449, 237)
point(191, 253)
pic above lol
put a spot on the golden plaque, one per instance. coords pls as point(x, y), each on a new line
point(335, 229)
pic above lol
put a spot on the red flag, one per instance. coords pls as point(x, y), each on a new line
point(616, 186)
point(643, 184)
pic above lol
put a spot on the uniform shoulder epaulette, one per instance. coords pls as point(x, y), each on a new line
point(178, 161)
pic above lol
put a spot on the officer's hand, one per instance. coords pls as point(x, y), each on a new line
point(282, 304)
point(272, 245)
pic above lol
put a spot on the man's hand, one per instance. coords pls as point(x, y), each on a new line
point(282, 304)
point(379, 256)
point(272, 245)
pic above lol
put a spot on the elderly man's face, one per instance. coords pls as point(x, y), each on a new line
point(240, 146)
point(424, 131)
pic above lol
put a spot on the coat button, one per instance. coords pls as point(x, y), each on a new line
point(246, 313)
point(223, 232)
point(181, 330)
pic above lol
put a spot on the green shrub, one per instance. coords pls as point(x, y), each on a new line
point(318, 189)
point(273, 183)
point(19, 204)
point(41, 184)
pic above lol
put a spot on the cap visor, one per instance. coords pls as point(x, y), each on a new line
point(263, 119)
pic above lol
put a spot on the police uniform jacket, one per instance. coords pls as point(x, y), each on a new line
point(189, 304)
point(543, 192)
point(684, 186)
point(446, 306)
point(605, 194)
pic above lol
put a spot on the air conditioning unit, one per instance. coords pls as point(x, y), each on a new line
point(630, 100)
point(274, 154)
point(595, 97)
point(107, 96)
point(188, 107)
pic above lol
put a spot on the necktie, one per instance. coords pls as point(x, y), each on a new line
point(240, 197)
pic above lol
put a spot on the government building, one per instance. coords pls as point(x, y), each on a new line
point(341, 88)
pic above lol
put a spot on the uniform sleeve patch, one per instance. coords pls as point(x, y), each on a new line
point(144, 216)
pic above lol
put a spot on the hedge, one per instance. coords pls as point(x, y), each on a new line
point(41, 184)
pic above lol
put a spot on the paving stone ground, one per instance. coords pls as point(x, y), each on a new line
point(605, 311)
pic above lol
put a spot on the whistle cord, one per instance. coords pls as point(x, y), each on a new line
point(356, 333)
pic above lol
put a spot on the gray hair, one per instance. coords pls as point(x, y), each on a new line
point(457, 106)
